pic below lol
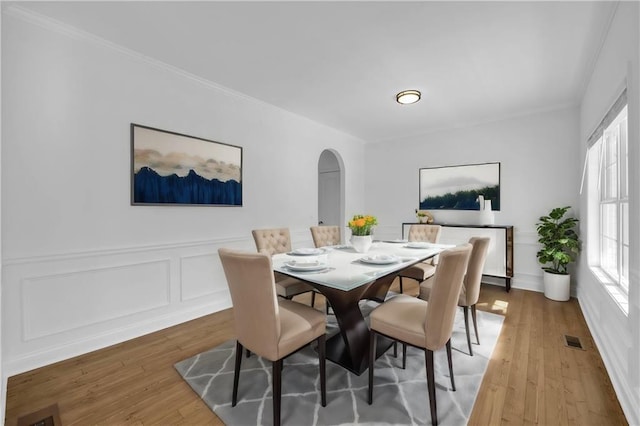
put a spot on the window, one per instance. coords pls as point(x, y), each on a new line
point(608, 202)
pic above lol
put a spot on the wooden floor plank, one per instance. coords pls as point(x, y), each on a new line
point(489, 405)
point(530, 379)
point(519, 363)
point(535, 364)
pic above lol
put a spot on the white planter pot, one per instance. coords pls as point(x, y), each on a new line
point(557, 286)
point(361, 243)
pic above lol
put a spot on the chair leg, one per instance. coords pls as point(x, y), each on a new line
point(453, 384)
point(372, 357)
point(277, 390)
point(404, 356)
point(248, 353)
point(236, 373)
point(475, 322)
point(465, 309)
point(313, 299)
point(395, 349)
point(401, 285)
point(322, 360)
point(431, 385)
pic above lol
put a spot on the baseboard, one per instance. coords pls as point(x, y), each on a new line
point(529, 282)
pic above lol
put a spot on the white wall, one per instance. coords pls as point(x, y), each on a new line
point(3, 380)
point(539, 171)
point(82, 268)
point(616, 334)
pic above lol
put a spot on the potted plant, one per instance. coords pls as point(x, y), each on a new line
point(361, 229)
point(424, 216)
point(560, 245)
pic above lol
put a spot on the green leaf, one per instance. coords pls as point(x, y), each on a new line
point(558, 239)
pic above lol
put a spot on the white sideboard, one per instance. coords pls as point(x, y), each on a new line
point(499, 262)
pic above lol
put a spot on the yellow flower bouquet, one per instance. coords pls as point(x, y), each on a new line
point(362, 225)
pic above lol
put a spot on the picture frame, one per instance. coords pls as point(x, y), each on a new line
point(459, 187)
point(169, 168)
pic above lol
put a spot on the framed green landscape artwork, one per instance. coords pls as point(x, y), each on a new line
point(459, 187)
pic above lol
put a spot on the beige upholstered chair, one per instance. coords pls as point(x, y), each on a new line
point(471, 289)
point(325, 235)
point(423, 270)
point(270, 327)
point(425, 325)
point(273, 241)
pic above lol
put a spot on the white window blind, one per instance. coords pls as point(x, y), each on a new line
point(615, 109)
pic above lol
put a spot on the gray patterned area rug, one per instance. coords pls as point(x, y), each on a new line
point(399, 396)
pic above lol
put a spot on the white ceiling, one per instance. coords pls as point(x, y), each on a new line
point(341, 63)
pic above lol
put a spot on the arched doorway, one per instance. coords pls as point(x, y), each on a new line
point(330, 189)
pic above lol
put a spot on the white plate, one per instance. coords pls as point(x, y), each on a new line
point(307, 251)
point(419, 245)
point(305, 266)
point(380, 259)
point(341, 246)
point(395, 241)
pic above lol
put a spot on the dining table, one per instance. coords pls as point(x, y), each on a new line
point(345, 277)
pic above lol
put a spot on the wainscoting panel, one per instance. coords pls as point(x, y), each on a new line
point(61, 302)
point(66, 304)
point(528, 273)
point(200, 275)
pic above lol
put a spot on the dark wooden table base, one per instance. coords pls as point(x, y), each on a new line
point(350, 347)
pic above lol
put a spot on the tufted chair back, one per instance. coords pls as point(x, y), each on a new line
point(272, 241)
point(426, 233)
point(325, 235)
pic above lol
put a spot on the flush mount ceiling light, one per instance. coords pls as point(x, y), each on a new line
point(408, 97)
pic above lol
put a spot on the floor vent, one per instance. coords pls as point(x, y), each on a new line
point(573, 342)
point(48, 416)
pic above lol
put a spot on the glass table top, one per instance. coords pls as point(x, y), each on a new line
point(341, 267)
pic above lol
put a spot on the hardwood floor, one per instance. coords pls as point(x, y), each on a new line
point(532, 378)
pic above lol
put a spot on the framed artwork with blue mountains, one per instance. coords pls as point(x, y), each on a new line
point(169, 168)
